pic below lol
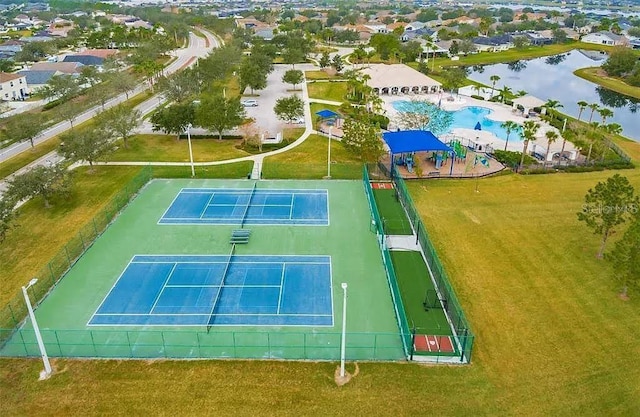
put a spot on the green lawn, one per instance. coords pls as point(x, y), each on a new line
point(597, 76)
point(23, 159)
point(309, 161)
point(235, 170)
point(168, 149)
point(319, 75)
point(333, 91)
point(393, 216)
point(414, 281)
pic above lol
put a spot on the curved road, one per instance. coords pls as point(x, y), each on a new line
point(198, 47)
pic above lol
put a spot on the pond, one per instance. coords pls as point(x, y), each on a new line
point(551, 78)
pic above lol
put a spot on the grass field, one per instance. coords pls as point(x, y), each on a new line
point(309, 161)
point(167, 148)
point(598, 76)
point(333, 91)
point(23, 159)
point(393, 216)
point(319, 75)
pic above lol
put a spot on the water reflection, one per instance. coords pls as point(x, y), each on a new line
point(517, 66)
point(555, 59)
point(551, 78)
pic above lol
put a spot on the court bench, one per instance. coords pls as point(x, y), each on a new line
point(240, 236)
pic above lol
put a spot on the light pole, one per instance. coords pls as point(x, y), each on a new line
point(193, 170)
point(343, 344)
point(45, 359)
point(329, 154)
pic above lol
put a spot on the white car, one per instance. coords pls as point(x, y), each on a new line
point(298, 121)
point(249, 103)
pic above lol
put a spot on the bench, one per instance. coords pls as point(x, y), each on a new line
point(240, 236)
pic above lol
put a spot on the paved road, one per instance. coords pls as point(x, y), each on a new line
point(198, 47)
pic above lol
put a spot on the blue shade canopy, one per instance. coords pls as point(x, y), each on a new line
point(478, 126)
point(414, 141)
point(327, 114)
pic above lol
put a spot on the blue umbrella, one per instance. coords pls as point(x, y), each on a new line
point(478, 126)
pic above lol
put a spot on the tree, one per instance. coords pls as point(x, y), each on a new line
point(626, 257)
point(182, 85)
point(510, 126)
point(218, 113)
point(427, 15)
point(289, 108)
point(593, 107)
point(120, 121)
point(520, 42)
point(384, 44)
point(123, 82)
point(7, 216)
point(89, 75)
point(551, 136)
point(336, 63)
point(605, 114)
point(607, 206)
point(552, 105)
point(293, 56)
point(559, 36)
point(23, 127)
point(505, 92)
point(528, 133)
point(466, 46)
point(67, 112)
point(62, 87)
point(86, 145)
point(582, 105)
point(175, 119)
point(293, 77)
point(41, 180)
point(621, 61)
point(494, 79)
point(454, 78)
point(252, 76)
point(325, 60)
point(362, 138)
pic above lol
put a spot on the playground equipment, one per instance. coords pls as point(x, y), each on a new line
point(406, 160)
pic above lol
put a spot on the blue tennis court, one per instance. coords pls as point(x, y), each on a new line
point(248, 206)
point(209, 291)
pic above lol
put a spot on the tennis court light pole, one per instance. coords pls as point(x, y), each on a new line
point(43, 352)
point(193, 170)
point(343, 344)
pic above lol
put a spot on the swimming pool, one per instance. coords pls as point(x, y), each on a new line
point(465, 118)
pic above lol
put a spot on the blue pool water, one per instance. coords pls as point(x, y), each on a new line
point(465, 118)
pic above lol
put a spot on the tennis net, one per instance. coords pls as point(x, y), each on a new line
point(246, 210)
point(217, 297)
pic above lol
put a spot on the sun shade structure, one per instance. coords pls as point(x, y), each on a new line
point(327, 114)
point(399, 79)
point(414, 141)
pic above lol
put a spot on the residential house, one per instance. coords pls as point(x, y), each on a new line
point(493, 43)
point(12, 86)
point(70, 68)
point(418, 34)
point(11, 47)
point(606, 38)
point(95, 61)
point(37, 79)
point(414, 26)
point(538, 39)
point(376, 28)
point(60, 27)
point(266, 33)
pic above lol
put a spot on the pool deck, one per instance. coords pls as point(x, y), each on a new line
point(499, 112)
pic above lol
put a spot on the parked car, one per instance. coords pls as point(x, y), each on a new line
point(250, 103)
point(298, 121)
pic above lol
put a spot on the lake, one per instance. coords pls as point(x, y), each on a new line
point(551, 78)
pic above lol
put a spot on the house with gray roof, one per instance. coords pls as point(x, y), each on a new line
point(85, 60)
point(606, 38)
point(37, 79)
point(493, 43)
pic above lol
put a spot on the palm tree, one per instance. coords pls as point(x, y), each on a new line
point(613, 128)
point(494, 79)
point(479, 89)
point(605, 114)
point(552, 136)
point(593, 107)
point(528, 133)
point(552, 105)
point(509, 126)
point(504, 92)
point(582, 104)
point(521, 93)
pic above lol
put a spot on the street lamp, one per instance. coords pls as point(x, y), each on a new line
point(329, 154)
point(45, 359)
point(193, 171)
point(343, 345)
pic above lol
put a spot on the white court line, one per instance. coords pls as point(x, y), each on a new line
point(163, 287)
point(112, 287)
point(206, 315)
point(291, 207)
point(284, 264)
point(235, 263)
point(206, 206)
point(226, 286)
point(168, 208)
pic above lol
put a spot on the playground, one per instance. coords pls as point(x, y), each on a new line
point(419, 154)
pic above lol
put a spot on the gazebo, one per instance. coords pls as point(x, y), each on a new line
point(409, 141)
point(528, 103)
